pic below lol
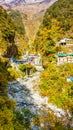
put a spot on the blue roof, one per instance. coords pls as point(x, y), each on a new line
point(71, 78)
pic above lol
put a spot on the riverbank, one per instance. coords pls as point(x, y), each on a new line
point(26, 93)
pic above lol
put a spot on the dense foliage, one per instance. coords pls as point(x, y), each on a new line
point(54, 84)
point(19, 27)
point(57, 24)
point(8, 115)
point(28, 69)
point(7, 32)
point(12, 34)
point(7, 35)
point(6, 26)
point(8, 118)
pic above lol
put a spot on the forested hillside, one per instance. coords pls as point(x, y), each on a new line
point(57, 24)
point(9, 118)
point(19, 27)
point(20, 37)
point(12, 34)
point(54, 87)
point(7, 31)
point(8, 115)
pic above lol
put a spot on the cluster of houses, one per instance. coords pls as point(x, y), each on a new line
point(63, 57)
point(28, 59)
point(32, 59)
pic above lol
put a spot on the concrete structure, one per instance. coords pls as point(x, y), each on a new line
point(28, 59)
point(65, 42)
point(63, 57)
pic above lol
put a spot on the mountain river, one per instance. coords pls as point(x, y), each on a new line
point(26, 93)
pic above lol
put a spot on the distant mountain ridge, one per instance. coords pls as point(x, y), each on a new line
point(17, 2)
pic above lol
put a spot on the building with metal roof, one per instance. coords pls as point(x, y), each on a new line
point(63, 57)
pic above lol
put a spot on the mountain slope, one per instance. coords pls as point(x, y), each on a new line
point(7, 31)
point(12, 34)
point(8, 118)
point(57, 24)
point(32, 15)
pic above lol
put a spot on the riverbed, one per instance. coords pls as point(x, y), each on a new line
point(26, 93)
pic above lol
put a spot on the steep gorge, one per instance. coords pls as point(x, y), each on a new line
point(31, 13)
point(53, 79)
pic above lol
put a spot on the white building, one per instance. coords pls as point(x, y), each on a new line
point(64, 58)
point(66, 42)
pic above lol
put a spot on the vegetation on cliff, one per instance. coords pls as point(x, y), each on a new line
point(12, 34)
point(8, 115)
point(19, 27)
point(7, 32)
point(54, 85)
point(57, 24)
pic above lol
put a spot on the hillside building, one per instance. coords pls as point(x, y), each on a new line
point(63, 57)
point(65, 42)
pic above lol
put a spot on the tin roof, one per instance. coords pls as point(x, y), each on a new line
point(62, 55)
